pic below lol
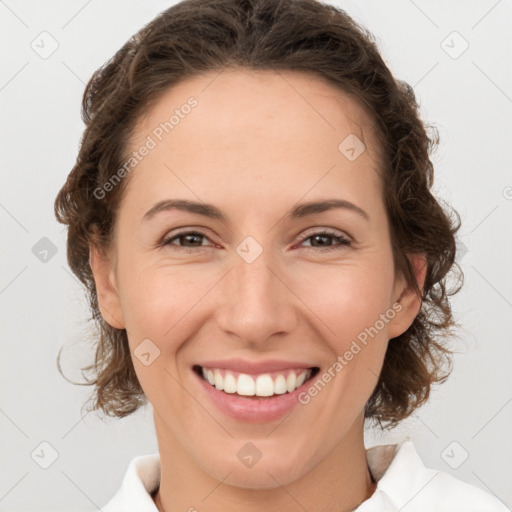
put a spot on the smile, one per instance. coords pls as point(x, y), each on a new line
point(262, 385)
point(254, 398)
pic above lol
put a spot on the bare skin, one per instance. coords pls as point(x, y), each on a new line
point(256, 145)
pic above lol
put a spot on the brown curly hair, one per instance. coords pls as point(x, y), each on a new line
point(194, 37)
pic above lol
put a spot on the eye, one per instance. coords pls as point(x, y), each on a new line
point(194, 238)
point(189, 237)
point(326, 234)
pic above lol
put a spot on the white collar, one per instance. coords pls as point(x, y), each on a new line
point(404, 484)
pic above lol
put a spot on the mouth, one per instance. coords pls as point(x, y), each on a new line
point(262, 386)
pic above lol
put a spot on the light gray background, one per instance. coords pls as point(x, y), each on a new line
point(469, 98)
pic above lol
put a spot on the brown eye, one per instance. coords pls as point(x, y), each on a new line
point(322, 240)
point(187, 239)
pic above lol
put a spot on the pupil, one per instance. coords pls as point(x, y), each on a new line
point(192, 237)
point(324, 237)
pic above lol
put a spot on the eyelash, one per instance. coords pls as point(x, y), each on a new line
point(344, 242)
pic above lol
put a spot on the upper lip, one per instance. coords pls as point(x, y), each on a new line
point(255, 367)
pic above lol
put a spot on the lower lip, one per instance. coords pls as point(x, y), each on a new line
point(250, 409)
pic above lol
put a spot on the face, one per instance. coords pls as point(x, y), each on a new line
point(268, 288)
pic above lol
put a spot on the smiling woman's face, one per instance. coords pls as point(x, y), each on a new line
point(260, 284)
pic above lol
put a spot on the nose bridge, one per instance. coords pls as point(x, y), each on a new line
point(255, 303)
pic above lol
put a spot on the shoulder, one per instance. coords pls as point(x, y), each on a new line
point(408, 485)
point(142, 477)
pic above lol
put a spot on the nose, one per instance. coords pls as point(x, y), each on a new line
point(254, 301)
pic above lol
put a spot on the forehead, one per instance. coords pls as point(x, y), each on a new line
point(243, 98)
point(231, 132)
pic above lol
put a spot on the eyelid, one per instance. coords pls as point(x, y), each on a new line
point(185, 230)
point(330, 231)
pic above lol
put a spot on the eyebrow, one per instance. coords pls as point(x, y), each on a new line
point(211, 211)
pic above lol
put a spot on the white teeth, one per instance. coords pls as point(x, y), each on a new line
point(245, 385)
point(219, 381)
point(264, 385)
point(249, 385)
point(291, 382)
point(229, 383)
point(300, 379)
point(280, 385)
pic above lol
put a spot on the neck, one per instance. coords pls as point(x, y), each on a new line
point(340, 482)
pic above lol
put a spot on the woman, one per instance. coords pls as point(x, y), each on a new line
point(250, 213)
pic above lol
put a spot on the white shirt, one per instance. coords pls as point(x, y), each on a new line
point(404, 484)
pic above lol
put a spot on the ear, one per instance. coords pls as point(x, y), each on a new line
point(407, 300)
point(106, 288)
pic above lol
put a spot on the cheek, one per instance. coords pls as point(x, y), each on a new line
point(154, 302)
point(158, 305)
point(348, 299)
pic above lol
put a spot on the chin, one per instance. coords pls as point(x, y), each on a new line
point(272, 470)
point(269, 476)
